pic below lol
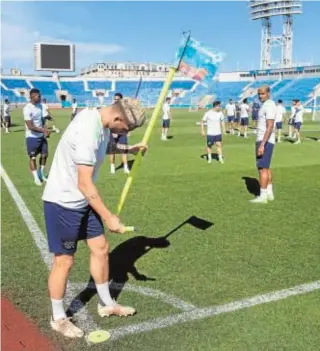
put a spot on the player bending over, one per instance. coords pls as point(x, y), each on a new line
point(231, 113)
point(36, 136)
point(74, 209)
point(244, 118)
point(47, 116)
point(214, 120)
point(265, 144)
point(298, 120)
point(166, 118)
point(281, 111)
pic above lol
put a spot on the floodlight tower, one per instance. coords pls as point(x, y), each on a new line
point(265, 10)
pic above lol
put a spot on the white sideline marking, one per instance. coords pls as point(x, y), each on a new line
point(170, 300)
point(201, 313)
point(84, 320)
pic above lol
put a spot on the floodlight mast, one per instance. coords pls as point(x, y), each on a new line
point(265, 10)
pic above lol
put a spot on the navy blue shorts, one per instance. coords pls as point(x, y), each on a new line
point(166, 123)
point(65, 227)
point(264, 161)
point(298, 125)
point(212, 139)
point(279, 125)
point(121, 139)
point(237, 119)
point(230, 119)
point(7, 119)
point(255, 116)
point(244, 121)
point(36, 146)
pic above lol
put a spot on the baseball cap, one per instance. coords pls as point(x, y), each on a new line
point(133, 111)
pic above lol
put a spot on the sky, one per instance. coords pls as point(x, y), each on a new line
point(150, 31)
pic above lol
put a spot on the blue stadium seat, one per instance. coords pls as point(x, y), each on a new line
point(101, 84)
point(15, 83)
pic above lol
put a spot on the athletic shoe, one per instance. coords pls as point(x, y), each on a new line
point(297, 142)
point(38, 182)
point(126, 170)
point(66, 328)
point(117, 310)
point(259, 200)
point(270, 197)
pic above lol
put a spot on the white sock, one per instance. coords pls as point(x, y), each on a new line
point(245, 134)
point(42, 170)
point(104, 294)
point(125, 167)
point(7, 130)
point(209, 157)
point(58, 311)
point(112, 167)
point(220, 157)
point(269, 189)
point(263, 193)
point(35, 175)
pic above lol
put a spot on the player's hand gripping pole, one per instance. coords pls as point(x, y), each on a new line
point(145, 139)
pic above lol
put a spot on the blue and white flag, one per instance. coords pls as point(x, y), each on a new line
point(198, 61)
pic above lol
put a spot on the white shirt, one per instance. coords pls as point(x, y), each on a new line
point(244, 111)
point(231, 110)
point(267, 111)
point(299, 114)
point(84, 142)
point(281, 111)
point(166, 111)
point(213, 119)
point(74, 107)
point(6, 110)
point(45, 109)
point(33, 113)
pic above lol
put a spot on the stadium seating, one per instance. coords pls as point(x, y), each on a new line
point(101, 84)
point(48, 89)
point(15, 83)
point(76, 90)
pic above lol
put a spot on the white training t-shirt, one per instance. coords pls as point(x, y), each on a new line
point(33, 113)
point(231, 110)
point(84, 142)
point(166, 111)
point(299, 114)
point(281, 111)
point(267, 111)
point(213, 120)
point(74, 107)
point(6, 110)
point(45, 109)
point(244, 111)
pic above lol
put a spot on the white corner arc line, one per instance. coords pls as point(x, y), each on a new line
point(84, 320)
point(201, 313)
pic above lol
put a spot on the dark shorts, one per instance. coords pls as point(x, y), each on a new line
point(121, 139)
point(255, 116)
point(237, 119)
point(7, 119)
point(291, 122)
point(298, 125)
point(230, 119)
point(265, 160)
point(279, 125)
point(244, 121)
point(166, 123)
point(65, 227)
point(212, 139)
point(36, 146)
point(48, 118)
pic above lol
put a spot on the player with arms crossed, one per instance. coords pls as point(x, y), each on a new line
point(265, 144)
point(244, 118)
point(166, 118)
point(214, 120)
point(36, 135)
point(281, 111)
point(74, 209)
point(47, 115)
point(231, 113)
point(298, 120)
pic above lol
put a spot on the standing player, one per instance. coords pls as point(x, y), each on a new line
point(115, 139)
point(214, 120)
point(244, 118)
point(298, 121)
point(6, 115)
point(291, 119)
point(231, 113)
point(255, 113)
point(281, 111)
point(47, 115)
point(36, 135)
point(265, 144)
point(166, 118)
point(237, 118)
point(74, 209)
point(74, 108)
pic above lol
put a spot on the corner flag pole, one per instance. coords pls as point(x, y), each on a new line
point(148, 131)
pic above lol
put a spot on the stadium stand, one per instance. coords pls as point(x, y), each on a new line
point(99, 85)
point(47, 88)
point(15, 83)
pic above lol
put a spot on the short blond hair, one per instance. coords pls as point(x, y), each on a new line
point(132, 111)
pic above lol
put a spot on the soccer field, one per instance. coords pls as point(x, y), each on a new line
point(231, 252)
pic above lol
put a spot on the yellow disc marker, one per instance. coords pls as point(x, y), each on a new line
point(98, 336)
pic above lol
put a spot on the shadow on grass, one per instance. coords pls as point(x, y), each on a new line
point(122, 260)
point(214, 156)
point(252, 185)
point(130, 164)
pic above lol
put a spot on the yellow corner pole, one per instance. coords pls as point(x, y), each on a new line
point(146, 138)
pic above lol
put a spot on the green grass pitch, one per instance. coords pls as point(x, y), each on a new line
point(249, 250)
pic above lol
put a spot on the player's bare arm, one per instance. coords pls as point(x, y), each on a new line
point(89, 190)
point(32, 127)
